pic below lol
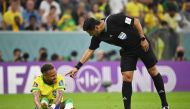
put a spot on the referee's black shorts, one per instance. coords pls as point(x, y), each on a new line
point(129, 59)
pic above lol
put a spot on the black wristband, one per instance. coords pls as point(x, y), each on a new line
point(79, 65)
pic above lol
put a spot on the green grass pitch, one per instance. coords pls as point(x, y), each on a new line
point(177, 100)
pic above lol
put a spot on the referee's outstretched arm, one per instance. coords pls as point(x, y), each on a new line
point(86, 56)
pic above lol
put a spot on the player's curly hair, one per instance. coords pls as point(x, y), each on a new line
point(90, 23)
point(46, 67)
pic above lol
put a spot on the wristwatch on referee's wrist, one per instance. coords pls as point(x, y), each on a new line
point(142, 38)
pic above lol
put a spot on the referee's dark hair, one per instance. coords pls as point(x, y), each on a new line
point(46, 67)
point(90, 23)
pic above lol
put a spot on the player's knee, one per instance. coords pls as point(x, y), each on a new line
point(153, 71)
point(127, 76)
point(44, 103)
point(68, 104)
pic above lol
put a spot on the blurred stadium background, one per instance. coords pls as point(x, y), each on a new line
point(33, 32)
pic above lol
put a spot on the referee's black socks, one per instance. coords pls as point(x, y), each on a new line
point(159, 84)
point(126, 93)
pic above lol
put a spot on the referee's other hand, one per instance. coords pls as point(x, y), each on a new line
point(145, 45)
point(72, 73)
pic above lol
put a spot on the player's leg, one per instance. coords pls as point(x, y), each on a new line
point(149, 59)
point(67, 104)
point(128, 65)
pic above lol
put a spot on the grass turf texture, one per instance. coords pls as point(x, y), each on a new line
point(177, 100)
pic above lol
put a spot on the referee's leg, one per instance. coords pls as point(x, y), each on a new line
point(159, 84)
point(149, 59)
point(128, 65)
point(127, 88)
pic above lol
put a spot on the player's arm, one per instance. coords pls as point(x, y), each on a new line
point(144, 42)
point(37, 99)
point(59, 95)
point(86, 56)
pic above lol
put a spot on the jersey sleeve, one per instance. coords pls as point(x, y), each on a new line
point(61, 83)
point(35, 86)
point(122, 19)
point(95, 43)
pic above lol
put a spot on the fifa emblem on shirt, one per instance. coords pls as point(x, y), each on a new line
point(122, 36)
point(35, 84)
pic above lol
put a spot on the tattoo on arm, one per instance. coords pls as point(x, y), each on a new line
point(37, 99)
point(59, 97)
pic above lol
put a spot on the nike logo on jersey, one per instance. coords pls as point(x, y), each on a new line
point(122, 36)
point(111, 35)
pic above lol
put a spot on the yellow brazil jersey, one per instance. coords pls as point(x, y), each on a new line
point(9, 16)
point(48, 91)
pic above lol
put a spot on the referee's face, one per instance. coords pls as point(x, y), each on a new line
point(93, 32)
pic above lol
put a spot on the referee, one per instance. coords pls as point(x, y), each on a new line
point(125, 32)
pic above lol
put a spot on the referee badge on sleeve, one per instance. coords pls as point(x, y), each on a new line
point(128, 20)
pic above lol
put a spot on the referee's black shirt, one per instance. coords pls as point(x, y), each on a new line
point(119, 31)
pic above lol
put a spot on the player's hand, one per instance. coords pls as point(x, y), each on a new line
point(72, 73)
point(145, 45)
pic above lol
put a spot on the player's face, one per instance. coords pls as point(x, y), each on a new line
point(51, 76)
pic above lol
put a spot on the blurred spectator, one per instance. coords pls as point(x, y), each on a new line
point(29, 11)
point(96, 13)
point(67, 23)
point(17, 4)
point(100, 55)
point(25, 57)
point(43, 55)
point(79, 11)
point(134, 8)
point(80, 23)
point(56, 57)
point(1, 57)
point(151, 19)
point(104, 7)
point(185, 14)
point(37, 4)
point(117, 6)
point(17, 25)
point(73, 55)
point(164, 41)
point(173, 18)
point(170, 5)
point(17, 53)
point(11, 17)
point(179, 54)
point(4, 4)
point(32, 26)
point(43, 27)
point(65, 4)
point(51, 18)
point(46, 5)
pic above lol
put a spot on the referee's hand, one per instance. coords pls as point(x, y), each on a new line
point(72, 73)
point(145, 45)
